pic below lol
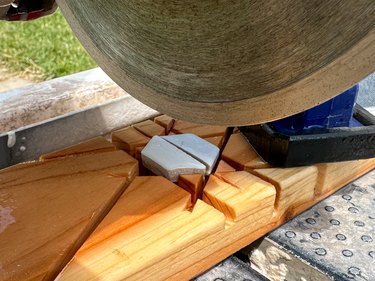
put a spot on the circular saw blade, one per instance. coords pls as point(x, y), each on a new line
point(225, 62)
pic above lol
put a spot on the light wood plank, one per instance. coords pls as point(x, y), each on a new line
point(224, 167)
point(193, 184)
point(250, 222)
point(240, 196)
point(154, 224)
point(141, 231)
point(241, 155)
point(294, 187)
point(129, 139)
point(165, 121)
point(203, 131)
point(218, 141)
point(332, 176)
point(150, 128)
point(53, 206)
point(95, 145)
point(220, 245)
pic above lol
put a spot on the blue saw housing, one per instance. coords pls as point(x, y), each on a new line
point(336, 112)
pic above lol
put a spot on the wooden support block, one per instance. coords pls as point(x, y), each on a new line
point(294, 186)
point(217, 140)
point(95, 145)
point(203, 131)
point(242, 194)
point(224, 167)
point(129, 139)
point(53, 206)
point(141, 234)
point(150, 128)
point(165, 121)
point(332, 176)
point(194, 184)
point(241, 155)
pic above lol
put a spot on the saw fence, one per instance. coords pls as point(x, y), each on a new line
point(91, 211)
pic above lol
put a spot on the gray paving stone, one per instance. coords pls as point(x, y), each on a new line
point(196, 147)
point(165, 159)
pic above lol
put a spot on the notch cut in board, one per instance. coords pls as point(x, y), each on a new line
point(193, 184)
point(224, 167)
point(295, 186)
point(54, 206)
point(241, 155)
point(150, 128)
point(165, 121)
point(238, 194)
point(128, 139)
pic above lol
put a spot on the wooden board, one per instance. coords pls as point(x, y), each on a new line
point(216, 140)
point(150, 128)
point(294, 186)
point(240, 154)
point(150, 229)
point(52, 207)
point(165, 121)
point(193, 184)
point(203, 131)
point(129, 139)
point(158, 230)
point(224, 167)
point(221, 62)
point(95, 145)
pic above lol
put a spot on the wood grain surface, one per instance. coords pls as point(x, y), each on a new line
point(49, 208)
point(154, 232)
point(95, 145)
point(151, 228)
point(225, 62)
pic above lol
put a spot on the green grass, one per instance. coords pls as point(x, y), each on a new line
point(45, 48)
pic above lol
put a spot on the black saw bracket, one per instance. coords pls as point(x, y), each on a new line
point(316, 145)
